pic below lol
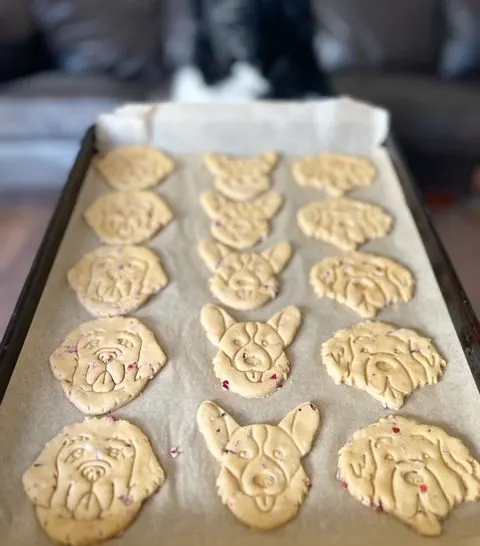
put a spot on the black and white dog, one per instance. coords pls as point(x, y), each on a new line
point(247, 49)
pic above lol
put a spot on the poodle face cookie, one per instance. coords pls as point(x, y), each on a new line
point(241, 178)
point(387, 362)
point(344, 222)
point(240, 225)
point(90, 481)
point(364, 282)
point(251, 356)
point(262, 480)
point(411, 470)
point(116, 280)
point(134, 167)
point(335, 173)
point(129, 217)
point(106, 363)
point(244, 280)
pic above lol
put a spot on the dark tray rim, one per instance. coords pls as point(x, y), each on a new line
point(463, 317)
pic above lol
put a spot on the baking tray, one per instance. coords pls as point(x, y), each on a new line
point(461, 312)
point(44, 413)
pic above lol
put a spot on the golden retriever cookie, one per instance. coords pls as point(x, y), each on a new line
point(262, 480)
point(344, 222)
point(414, 471)
point(364, 282)
point(335, 173)
point(134, 167)
point(106, 363)
point(90, 481)
point(241, 178)
point(387, 362)
point(251, 359)
point(115, 280)
point(240, 225)
point(244, 280)
point(129, 217)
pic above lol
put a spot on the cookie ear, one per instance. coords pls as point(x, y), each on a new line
point(216, 427)
point(286, 323)
point(269, 204)
point(152, 358)
point(216, 322)
point(279, 255)
point(64, 362)
point(212, 254)
point(302, 424)
point(212, 203)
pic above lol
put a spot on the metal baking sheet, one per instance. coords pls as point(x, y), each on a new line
point(187, 509)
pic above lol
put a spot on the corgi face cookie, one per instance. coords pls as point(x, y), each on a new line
point(90, 481)
point(240, 225)
point(387, 362)
point(244, 280)
point(129, 217)
point(262, 480)
point(335, 173)
point(414, 471)
point(251, 355)
point(116, 280)
point(134, 167)
point(106, 363)
point(241, 178)
point(364, 282)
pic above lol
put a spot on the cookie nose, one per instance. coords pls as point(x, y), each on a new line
point(264, 480)
point(243, 280)
point(107, 355)
point(93, 473)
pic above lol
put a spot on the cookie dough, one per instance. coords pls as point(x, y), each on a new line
point(244, 280)
point(240, 225)
point(343, 222)
point(251, 356)
point(364, 282)
point(105, 363)
point(387, 362)
point(414, 471)
point(335, 173)
point(241, 178)
point(90, 481)
point(128, 218)
point(116, 280)
point(262, 480)
point(134, 167)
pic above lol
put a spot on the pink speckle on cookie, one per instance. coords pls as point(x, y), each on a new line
point(175, 452)
point(126, 499)
point(225, 385)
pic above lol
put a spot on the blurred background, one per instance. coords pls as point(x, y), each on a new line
point(63, 62)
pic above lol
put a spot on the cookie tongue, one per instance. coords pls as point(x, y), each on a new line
point(265, 502)
point(104, 383)
point(88, 507)
point(254, 377)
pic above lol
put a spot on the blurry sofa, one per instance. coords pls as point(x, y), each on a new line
point(62, 62)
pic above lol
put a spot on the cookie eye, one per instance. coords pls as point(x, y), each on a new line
point(237, 342)
point(125, 342)
point(264, 343)
point(243, 455)
point(278, 454)
point(75, 455)
point(426, 456)
point(113, 452)
point(92, 344)
point(388, 457)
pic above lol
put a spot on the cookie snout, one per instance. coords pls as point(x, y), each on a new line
point(244, 280)
point(254, 361)
point(263, 477)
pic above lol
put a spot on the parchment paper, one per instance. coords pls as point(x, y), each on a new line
point(187, 509)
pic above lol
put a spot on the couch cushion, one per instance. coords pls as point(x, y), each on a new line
point(59, 105)
point(461, 54)
point(116, 36)
point(377, 34)
point(431, 115)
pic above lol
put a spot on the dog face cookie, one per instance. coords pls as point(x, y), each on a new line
point(106, 363)
point(337, 174)
point(116, 280)
point(414, 471)
point(344, 222)
point(128, 217)
point(364, 282)
point(387, 362)
point(134, 167)
point(244, 280)
point(241, 178)
point(90, 481)
point(240, 225)
point(262, 480)
point(251, 355)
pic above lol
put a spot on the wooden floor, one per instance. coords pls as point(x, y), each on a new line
point(22, 225)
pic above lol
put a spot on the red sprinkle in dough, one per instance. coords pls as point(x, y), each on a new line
point(395, 430)
point(423, 488)
point(225, 385)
